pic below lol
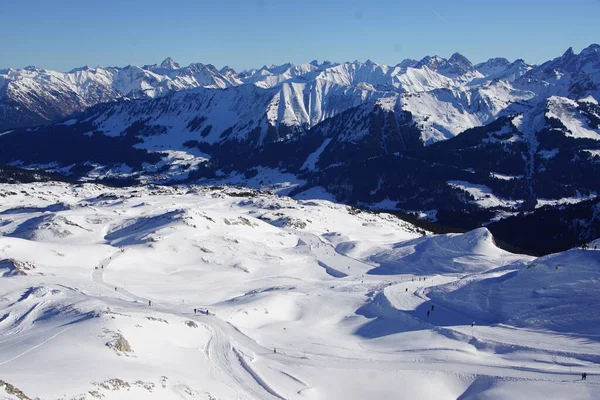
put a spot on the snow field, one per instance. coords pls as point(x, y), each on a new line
point(306, 299)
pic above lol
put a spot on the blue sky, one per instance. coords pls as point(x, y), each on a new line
point(63, 34)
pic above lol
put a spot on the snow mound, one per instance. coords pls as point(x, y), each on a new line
point(11, 267)
point(256, 310)
point(47, 228)
point(557, 292)
point(474, 251)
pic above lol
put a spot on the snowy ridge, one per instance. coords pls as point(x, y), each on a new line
point(447, 96)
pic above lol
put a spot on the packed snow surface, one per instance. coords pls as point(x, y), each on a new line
point(232, 293)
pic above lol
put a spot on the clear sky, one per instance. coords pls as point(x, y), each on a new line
point(63, 34)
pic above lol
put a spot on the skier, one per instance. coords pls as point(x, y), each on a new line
point(115, 288)
point(428, 313)
point(406, 290)
point(149, 303)
point(584, 377)
point(274, 350)
point(432, 307)
point(194, 311)
point(472, 324)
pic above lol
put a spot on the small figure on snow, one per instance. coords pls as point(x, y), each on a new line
point(472, 324)
point(432, 307)
point(149, 303)
point(115, 288)
point(406, 290)
point(428, 313)
point(274, 350)
point(194, 311)
point(584, 377)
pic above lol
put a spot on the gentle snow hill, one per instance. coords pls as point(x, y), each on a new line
point(470, 252)
point(557, 292)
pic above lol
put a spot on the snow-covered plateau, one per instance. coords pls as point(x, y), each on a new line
point(191, 292)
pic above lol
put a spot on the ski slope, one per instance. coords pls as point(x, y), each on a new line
point(232, 293)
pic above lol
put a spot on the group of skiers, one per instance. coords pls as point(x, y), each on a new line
point(196, 310)
point(432, 309)
point(586, 246)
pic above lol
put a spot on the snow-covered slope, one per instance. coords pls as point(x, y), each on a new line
point(246, 113)
point(569, 114)
point(556, 292)
point(220, 293)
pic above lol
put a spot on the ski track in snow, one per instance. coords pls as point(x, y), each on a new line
point(220, 349)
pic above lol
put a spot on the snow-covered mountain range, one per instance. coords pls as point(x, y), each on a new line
point(32, 95)
point(438, 134)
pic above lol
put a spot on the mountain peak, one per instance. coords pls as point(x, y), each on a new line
point(569, 53)
point(84, 68)
point(457, 57)
point(591, 49)
point(227, 70)
point(406, 63)
point(169, 63)
point(460, 63)
point(492, 64)
point(432, 62)
point(32, 68)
